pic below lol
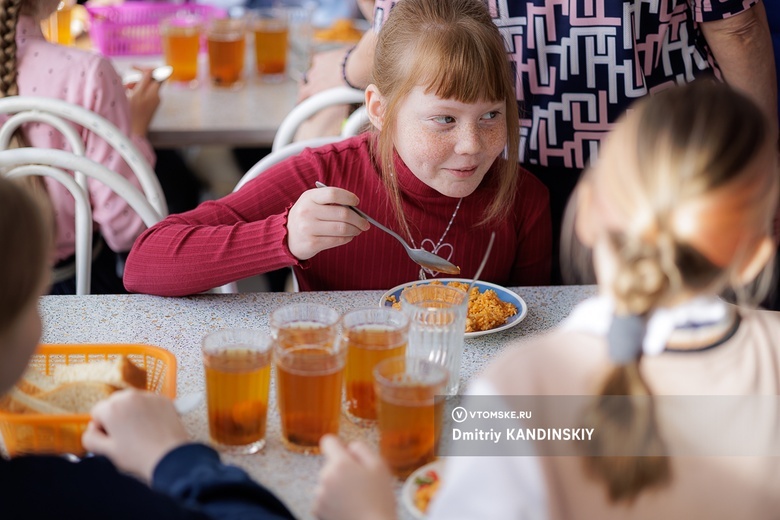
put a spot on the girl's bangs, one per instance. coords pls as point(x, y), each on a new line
point(456, 68)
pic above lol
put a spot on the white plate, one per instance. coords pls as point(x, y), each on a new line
point(410, 487)
point(503, 294)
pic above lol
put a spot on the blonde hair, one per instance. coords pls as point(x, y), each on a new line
point(25, 249)
point(454, 49)
point(695, 146)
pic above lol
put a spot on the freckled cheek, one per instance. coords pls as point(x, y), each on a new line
point(494, 140)
point(431, 148)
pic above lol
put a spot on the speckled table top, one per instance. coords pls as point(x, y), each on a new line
point(178, 324)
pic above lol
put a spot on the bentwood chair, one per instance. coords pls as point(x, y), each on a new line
point(57, 164)
point(266, 162)
point(356, 122)
point(68, 118)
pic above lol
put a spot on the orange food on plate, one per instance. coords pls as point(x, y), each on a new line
point(427, 485)
point(486, 310)
point(342, 30)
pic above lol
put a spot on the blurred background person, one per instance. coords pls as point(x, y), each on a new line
point(677, 208)
point(35, 67)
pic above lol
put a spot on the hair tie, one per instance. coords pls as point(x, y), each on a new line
point(625, 336)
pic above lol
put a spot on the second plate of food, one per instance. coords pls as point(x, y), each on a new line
point(393, 296)
point(420, 488)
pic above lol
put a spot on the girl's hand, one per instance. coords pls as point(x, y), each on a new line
point(144, 98)
point(319, 221)
point(354, 483)
point(134, 429)
point(325, 73)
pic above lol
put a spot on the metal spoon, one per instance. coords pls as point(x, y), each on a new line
point(484, 261)
point(159, 74)
point(420, 256)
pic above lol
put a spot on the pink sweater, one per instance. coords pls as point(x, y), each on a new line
point(86, 79)
point(245, 233)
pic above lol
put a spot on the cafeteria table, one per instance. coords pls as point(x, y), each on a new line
point(206, 115)
point(178, 324)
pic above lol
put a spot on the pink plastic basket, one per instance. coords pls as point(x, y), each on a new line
point(133, 28)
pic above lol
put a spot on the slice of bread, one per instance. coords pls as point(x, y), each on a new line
point(119, 372)
point(16, 401)
point(34, 382)
point(77, 397)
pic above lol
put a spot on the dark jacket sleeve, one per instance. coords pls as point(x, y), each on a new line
point(194, 475)
point(190, 482)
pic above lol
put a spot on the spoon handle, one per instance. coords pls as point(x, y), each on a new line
point(370, 219)
point(484, 261)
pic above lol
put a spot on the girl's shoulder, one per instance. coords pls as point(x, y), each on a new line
point(554, 362)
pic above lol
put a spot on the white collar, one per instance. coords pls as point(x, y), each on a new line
point(594, 315)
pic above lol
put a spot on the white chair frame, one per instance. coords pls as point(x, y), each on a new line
point(22, 162)
point(62, 115)
point(310, 106)
point(265, 163)
point(282, 154)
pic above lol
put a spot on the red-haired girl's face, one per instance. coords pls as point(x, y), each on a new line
point(447, 144)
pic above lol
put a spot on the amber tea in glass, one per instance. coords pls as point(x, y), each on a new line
point(181, 45)
point(371, 335)
point(309, 383)
point(304, 324)
point(57, 27)
point(237, 364)
point(410, 402)
point(226, 40)
point(269, 27)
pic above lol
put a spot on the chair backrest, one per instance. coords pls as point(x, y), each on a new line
point(265, 163)
point(22, 162)
point(310, 106)
point(62, 116)
point(282, 154)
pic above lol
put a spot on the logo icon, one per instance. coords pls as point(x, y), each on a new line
point(459, 414)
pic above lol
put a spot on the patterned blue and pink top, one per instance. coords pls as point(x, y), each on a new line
point(580, 63)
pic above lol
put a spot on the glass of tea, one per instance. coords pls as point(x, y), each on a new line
point(181, 35)
point(437, 326)
point(57, 27)
point(371, 335)
point(237, 363)
point(410, 402)
point(304, 324)
point(309, 381)
point(226, 38)
point(309, 373)
point(269, 27)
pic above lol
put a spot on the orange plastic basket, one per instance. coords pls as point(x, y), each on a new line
point(33, 433)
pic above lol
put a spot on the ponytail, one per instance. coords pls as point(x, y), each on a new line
point(623, 416)
point(628, 426)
